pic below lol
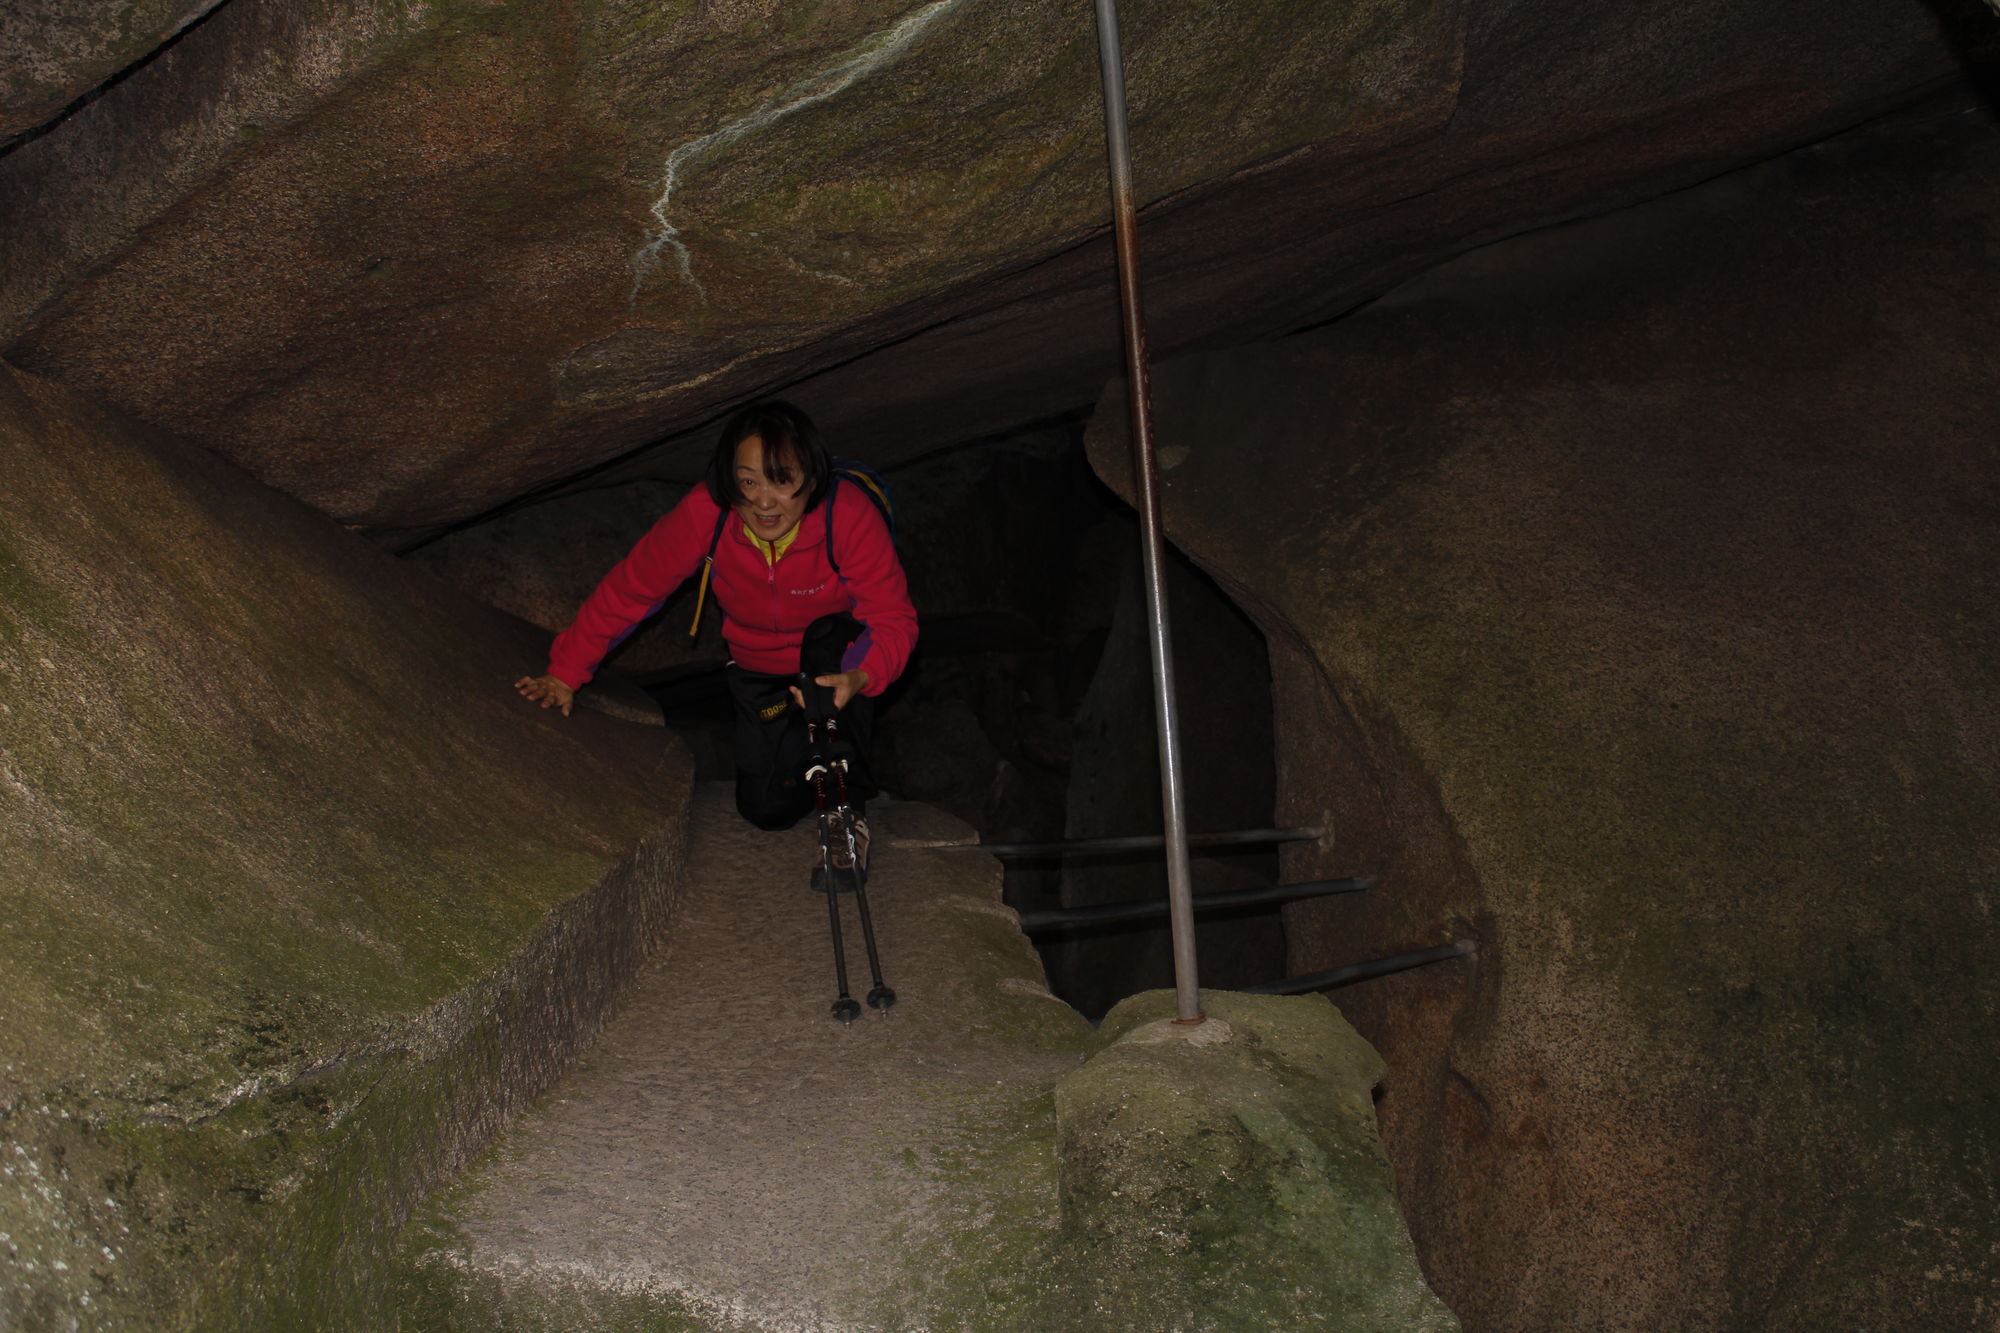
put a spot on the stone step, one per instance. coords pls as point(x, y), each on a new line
point(731, 1157)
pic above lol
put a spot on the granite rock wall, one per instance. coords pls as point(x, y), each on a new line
point(298, 900)
point(408, 262)
point(1631, 591)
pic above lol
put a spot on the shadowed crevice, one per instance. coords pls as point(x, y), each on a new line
point(90, 95)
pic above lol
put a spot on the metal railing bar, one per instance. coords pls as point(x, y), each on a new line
point(1379, 967)
point(1070, 918)
point(1137, 843)
point(1146, 498)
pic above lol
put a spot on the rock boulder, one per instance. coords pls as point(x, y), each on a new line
point(299, 899)
point(1631, 591)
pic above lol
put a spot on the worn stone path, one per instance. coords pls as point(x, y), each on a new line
point(730, 1157)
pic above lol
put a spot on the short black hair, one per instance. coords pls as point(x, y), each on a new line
point(789, 436)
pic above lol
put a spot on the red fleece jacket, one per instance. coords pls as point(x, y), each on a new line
point(766, 607)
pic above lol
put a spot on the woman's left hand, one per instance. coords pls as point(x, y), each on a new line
point(845, 685)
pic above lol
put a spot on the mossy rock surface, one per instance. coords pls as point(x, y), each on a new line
point(298, 897)
point(1638, 585)
point(1228, 1175)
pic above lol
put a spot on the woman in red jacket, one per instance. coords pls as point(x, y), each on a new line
point(786, 606)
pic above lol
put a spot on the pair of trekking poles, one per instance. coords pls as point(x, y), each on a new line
point(843, 854)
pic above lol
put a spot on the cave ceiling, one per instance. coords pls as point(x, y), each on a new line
point(411, 262)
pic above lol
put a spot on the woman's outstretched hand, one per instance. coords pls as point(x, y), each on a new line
point(546, 691)
point(845, 685)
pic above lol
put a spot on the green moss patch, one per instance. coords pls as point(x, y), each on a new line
point(1227, 1175)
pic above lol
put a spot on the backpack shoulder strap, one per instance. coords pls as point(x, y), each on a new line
point(832, 489)
point(869, 482)
point(708, 568)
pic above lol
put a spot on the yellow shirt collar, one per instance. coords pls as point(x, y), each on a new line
point(772, 550)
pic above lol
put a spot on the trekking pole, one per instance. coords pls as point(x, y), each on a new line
point(880, 996)
point(844, 1007)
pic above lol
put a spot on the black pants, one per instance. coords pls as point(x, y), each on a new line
point(771, 787)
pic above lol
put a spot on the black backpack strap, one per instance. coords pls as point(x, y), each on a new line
point(832, 489)
point(708, 568)
point(715, 538)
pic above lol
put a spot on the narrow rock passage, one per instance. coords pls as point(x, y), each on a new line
point(731, 1157)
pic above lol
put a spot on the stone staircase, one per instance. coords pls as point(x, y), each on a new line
point(728, 1157)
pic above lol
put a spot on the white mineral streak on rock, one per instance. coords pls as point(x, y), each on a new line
point(854, 64)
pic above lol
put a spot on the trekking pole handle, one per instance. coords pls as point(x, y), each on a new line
point(818, 698)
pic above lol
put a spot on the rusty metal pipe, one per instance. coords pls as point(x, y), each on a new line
point(1102, 914)
point(1377, 967)
point(1146, 486)
point(1138, 842)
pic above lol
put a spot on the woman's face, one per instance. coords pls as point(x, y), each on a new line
point(770, 507)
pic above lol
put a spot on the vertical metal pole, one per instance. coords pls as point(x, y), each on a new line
point(1146, 483)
